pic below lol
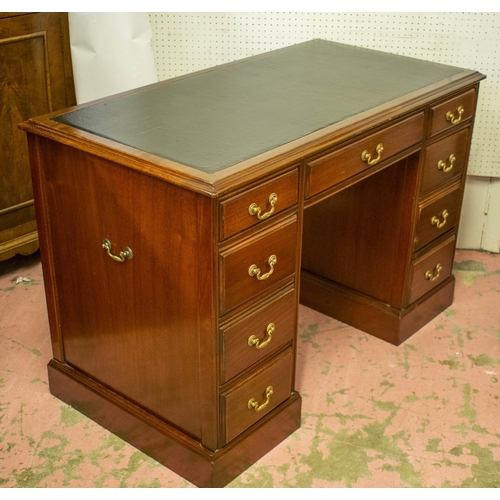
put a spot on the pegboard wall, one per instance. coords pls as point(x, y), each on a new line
point(186, 42)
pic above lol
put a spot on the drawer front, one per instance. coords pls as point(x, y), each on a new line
point(257, 396)
point(431, 269)
point(452, 112)
point(251, 269)
point(329, 170)
point(257, 335)
point(444, 161)
point(259, 204)
point(437, 217)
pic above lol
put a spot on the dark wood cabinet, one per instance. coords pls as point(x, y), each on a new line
point(35, 78)
point(180, 224)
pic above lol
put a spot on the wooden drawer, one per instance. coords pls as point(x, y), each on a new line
point(333, 168)
point(436, 216)
point(444, 161)
point(257, 335)
point(431, 269)
point(238, 284)
point(270, 198)
point(257, 395)
point(447, 114)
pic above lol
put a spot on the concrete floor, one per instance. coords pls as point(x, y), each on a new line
point(424, 414)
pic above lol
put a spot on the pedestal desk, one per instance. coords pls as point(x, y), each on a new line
point(181, 223)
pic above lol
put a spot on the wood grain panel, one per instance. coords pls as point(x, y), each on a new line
point(35, 78)
point(353, 237)
point(136, 325)
point(25, 93)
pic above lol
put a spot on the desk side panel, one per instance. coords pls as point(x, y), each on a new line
point(135, 326)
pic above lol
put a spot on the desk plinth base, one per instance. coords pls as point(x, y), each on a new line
point(386, 323)
point(169, 446)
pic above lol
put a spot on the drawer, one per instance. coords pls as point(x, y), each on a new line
point(333, 168)
point(259, 204)
point(252, 268)
point(431, 269)
point(437, 216)
point(257, 395)
point(452, 112)
point(257, 335)
point(444, 161)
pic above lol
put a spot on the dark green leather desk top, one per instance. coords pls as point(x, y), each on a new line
point(215, 119)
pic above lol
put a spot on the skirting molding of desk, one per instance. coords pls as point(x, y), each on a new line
point(166, 444)
point(386, 323)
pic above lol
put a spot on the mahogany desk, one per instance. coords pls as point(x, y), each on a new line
point(179, 221)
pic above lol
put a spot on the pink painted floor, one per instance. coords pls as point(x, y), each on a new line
point(424, 414)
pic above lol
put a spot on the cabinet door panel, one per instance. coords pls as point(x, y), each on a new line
point(35, 78)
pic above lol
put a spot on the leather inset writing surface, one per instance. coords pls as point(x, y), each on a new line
point(213, 120)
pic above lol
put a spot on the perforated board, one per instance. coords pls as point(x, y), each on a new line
point(186, 42)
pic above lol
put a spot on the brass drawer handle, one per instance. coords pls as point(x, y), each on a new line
point(254, 341)
point(438, 223)
point(433, 275)
point(125, 254)
point(367, 157)
point(254, 209)
point(253, 270)
point(253, 405)
point(450, 117)
point(444, 166)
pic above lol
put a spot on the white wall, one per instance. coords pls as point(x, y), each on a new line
point(185, 42)
point(480, 220)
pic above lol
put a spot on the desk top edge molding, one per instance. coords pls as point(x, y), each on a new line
point(226, 180)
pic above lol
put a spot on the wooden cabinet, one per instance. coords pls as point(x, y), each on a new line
point(35, 78)
point(180, 223)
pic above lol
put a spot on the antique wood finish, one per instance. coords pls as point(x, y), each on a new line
point(336, 228)
point(438, 169)
point(235, 213)
point(35, 78)
point(437, 216)
point(391, 324)
point(266, 389)
point(439, 113)
point(325, 172)
point(432, 268)
point(161, 348)
point(237, 285)
point(272, 325)
point(165, 443)
point(156, 333)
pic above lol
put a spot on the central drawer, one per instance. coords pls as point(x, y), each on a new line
point(331, 169)
point(253, 267)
